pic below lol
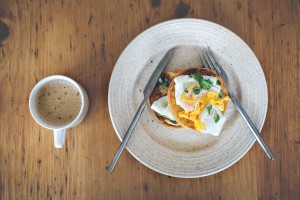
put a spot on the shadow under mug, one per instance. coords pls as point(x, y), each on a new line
point(59, 131)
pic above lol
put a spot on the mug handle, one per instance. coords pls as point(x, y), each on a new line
point(59, 138)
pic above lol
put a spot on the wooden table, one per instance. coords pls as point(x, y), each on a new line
point(83, 40)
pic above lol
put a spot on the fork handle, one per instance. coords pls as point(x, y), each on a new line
point(249, 122)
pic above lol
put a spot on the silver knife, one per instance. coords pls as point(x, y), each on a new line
point(147, 91)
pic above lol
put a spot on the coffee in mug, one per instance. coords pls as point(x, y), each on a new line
point(58, 102)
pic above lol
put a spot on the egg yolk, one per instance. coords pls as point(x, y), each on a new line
point(212, 97)
point(188, 96)
point(194, 115)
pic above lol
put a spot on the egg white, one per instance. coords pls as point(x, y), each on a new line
point(161, 106)
point(215, 87)
point(211, 127)
point(208, 118)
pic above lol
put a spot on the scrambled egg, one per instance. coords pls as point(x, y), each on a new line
point(194, 115)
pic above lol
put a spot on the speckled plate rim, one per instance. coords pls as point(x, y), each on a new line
point(157, 26)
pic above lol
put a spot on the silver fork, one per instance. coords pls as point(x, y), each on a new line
point(210, 62)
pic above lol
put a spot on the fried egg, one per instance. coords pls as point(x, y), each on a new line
point(161, 107)
point(209, 119)
point(202, 106)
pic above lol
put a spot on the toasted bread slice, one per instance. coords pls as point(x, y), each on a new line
point(157, 94)
point(175, 109)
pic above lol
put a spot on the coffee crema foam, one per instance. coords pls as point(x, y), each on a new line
point(58, 102)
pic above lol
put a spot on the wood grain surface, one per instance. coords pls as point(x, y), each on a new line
point(83, 40)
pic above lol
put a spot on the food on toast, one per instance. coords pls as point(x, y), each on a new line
point(198, 98)
point(159, 101)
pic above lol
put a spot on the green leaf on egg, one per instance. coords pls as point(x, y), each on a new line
point(209, 108)
point(173, 121)
point(220, 95)
point(186, 90)
point(206, 84)
point(216, 118)
point(198, 77)
point(209, 81)
point(218, 82)
point(196, 90)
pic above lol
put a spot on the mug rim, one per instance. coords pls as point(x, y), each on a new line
point(36, 89)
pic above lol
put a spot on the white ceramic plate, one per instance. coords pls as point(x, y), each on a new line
point(185, 153)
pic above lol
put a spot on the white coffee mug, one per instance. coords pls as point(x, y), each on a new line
point(59, 131)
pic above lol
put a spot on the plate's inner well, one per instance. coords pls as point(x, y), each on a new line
point(183, 152)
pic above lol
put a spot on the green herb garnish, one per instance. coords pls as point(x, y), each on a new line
point(198, 77)
point(163, 85)
point(209, 81)
point(209, 108)
point(173, 122)
point(216, 118)
point(164, 82)
point(206, 84)
point(186, 90)
point(196, 90)
point(218, 82)
point(220, 95)
point(167, 82)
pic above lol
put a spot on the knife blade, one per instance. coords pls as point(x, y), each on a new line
point(157, 72)
point(147, 91)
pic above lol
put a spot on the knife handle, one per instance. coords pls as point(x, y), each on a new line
point(127, 136)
